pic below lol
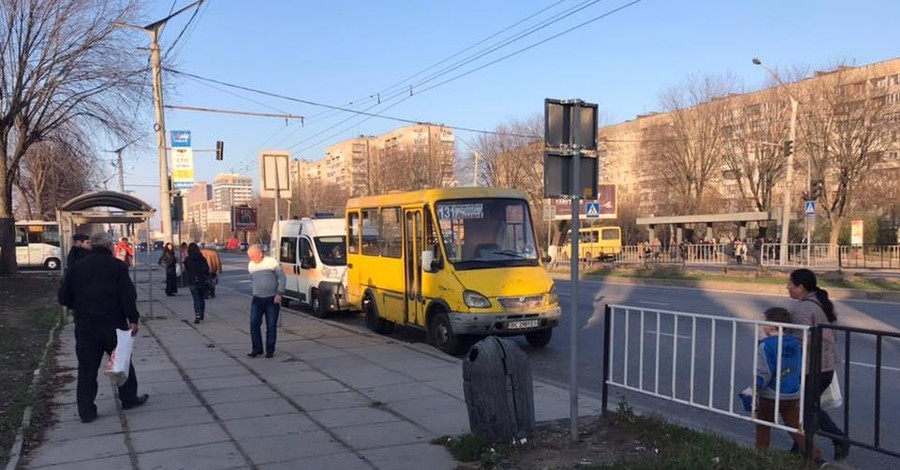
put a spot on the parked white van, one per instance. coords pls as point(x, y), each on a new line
point(313, 257)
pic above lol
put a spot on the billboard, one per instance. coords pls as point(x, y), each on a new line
point(182, 168)
point(243, 219)
point(856, 232)
point(607, 200)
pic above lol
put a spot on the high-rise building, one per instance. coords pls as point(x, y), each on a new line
point(230, 189)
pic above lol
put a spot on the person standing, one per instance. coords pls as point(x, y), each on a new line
point(196, 271)
point(814, 308)
point(81, 247)
point(215, 269)
point(125, 252)
point(268, 282)
point(169, 262)
point(103, 298)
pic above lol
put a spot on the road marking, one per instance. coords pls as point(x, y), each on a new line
point(661, 304)
point(872, 366)
point(652, 332)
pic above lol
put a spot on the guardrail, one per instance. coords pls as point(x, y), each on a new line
point(815, 255)
point(870, 256)
point(653, 367)
point(702, 253)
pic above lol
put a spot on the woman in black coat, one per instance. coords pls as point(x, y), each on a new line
point(196, 271)
point(168, 261)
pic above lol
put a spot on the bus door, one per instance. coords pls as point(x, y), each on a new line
point(413, 246)
point(22, 258)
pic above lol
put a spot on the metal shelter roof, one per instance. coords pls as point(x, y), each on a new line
point(707, 218)
point(84, 209)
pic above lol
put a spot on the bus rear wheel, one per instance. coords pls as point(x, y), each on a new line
point(441, 335)
point(52, 264)
point(539, 339)
point(374, 322)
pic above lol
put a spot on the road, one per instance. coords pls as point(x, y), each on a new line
point(552, 363)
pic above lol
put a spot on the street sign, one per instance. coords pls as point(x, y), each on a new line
point(275, 173)
point(182, 168)
point(181, 138)
point(810, 209)
point(592, 210)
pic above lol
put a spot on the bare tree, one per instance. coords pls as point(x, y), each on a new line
point(63, 63)
point(685, 153)
point(51, 173)
point(846, 127)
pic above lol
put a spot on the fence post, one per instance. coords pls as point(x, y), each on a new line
point(810, 412)
point(604, 395)
point(840, 259)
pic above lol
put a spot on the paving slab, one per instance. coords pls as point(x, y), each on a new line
point(295, 389)
point(394, 433)
point(265, 426)
point(284, 448)
point(76, 450)
point(109, 463)
point(210, 456)
point(239, 394)
point(167, 418)
point(411, 457)
point(342, 417)
point(253, 408)
point(331, 401)
point(173, 438)
point(341, 461)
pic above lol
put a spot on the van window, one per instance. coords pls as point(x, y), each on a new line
point(610, 234)
point(353, 229)
point(371, 227)
point(287, 253)
point(391, 246)
point(21, 236)
point(305, 249)
point(331, 250)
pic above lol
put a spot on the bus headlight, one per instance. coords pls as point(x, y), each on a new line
point(553, 297)
point(475, 300)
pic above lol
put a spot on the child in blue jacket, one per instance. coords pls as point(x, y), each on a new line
point(766, 380)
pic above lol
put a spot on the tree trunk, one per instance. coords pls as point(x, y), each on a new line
point(836, 223)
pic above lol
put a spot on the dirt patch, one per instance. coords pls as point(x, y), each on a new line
point(28, 312)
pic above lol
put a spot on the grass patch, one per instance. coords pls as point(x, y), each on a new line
point(469, 448)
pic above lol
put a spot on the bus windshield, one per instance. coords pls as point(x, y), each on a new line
point(331, 250)
point(487, 233)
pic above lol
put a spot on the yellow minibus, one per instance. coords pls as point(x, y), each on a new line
point(594, 243)
point(453, 261)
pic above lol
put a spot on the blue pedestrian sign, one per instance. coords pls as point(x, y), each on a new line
point(181, 138)
point(592, 210)
point(810, 209)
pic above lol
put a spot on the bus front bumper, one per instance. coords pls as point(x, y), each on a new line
point(504, 324)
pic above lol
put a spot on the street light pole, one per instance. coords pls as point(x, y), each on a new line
point(789, 180)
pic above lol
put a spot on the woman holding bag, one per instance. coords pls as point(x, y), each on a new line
point(814, 308)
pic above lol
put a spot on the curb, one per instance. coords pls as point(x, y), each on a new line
point(15, 454)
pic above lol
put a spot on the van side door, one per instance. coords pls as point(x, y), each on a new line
point(287, 257)
point(309, 270)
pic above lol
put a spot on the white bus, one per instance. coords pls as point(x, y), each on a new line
point(37, 244)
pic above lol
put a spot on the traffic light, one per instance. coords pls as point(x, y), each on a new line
point(177, 208)
point(788, 148)
point(816, 189)
point(220, 150)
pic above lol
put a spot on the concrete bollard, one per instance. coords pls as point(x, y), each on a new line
point(498, 390)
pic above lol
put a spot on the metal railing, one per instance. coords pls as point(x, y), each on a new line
point(850, 399)
point(660, 363)
point(815, 255)
point(870, 256)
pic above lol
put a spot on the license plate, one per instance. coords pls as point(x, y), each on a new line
point(522, 324)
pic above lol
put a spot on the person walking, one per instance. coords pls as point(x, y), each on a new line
point(168, 261)
point(215, 269)
point(81, 247)
point(103, 298)
point(268, 282)
point(814, 308)
point(196, 271)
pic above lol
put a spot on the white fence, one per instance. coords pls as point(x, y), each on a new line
point(703, 253)
point(815, 255)
point(704, 365)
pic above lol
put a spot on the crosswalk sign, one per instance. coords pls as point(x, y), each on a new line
point(592, 210)
point(810, 209)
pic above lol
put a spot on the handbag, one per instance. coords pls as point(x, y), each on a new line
point(832, 397)
point(120, 359)
point(178, 269)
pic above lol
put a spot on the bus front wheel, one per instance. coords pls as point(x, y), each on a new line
point(315, 303)
point(52, 264)
point(441, 334)
point(374, 321)
point(539, 339)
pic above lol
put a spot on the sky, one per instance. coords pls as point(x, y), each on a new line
point(347, 53)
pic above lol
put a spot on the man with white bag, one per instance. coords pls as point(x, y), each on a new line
point(100, 292)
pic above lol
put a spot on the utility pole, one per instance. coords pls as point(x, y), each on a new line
point(121, 170)
point(165, 205)
point(475, 171)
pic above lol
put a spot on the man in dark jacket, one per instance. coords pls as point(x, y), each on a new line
point(81, 246)
point(100, 292)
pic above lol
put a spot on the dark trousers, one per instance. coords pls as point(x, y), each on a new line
point(199, 299)
point(825, 422)
point(171, 282)
point(790, 414)
point(91, 342)
point(259, 307)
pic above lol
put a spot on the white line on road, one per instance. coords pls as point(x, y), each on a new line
point(653, 332)
point(648, 302)
point(872, 366)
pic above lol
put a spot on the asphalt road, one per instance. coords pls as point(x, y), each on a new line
point(553, 362)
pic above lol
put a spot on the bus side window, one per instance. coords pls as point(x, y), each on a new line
point(371, 229)
point(21, 236)
point(353, 232)
point(595, 236)
point(35, 237)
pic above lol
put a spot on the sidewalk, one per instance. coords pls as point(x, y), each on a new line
point(332, 397)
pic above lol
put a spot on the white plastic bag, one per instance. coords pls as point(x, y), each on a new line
point(832, 396)
point(120, 360)
point(178, 269)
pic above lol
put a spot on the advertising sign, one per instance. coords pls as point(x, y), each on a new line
point(856, 232)
point(606, 204)
point(182, 168)
point(243, 219)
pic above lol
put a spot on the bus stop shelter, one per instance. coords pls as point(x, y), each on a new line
point(679, 221)
point(105, 207)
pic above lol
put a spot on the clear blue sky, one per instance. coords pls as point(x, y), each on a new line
point(340, 51)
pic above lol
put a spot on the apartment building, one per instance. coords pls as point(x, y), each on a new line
point(229, 189)
point(755, 125)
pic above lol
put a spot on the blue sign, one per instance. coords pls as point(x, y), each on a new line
point(592, 210)
point(181, 138)
point(810, 209)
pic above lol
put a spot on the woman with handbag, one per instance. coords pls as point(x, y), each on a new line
point(196, 271)
point(169, 262)
point(813, 308)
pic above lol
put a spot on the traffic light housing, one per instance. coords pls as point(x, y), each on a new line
point(220, 150)
point(816, 189)
point(177, 208)
point(788, 148)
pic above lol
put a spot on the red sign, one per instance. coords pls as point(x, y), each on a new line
point(606, 198)
point(243, 219)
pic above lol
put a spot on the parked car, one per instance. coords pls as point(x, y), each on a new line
point(142, 247)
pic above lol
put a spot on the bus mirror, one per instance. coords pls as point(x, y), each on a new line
point(428, 261)
point(546, 259)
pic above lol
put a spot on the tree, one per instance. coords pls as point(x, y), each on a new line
point(63, 64)
point(845, 129)
point(685, 152)
point(51, 173)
